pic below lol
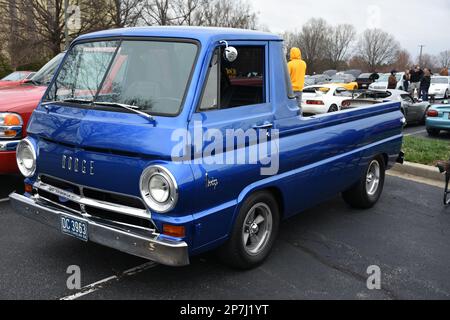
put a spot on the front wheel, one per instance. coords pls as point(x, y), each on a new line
point(367, 191)
point(254, 232)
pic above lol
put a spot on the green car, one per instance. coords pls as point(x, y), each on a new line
point(438, 118)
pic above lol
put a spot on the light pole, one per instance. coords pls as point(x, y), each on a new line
point(66, 24)
point(420, 56)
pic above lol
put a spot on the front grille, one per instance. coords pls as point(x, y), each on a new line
point(61, 184)
point(99, 204)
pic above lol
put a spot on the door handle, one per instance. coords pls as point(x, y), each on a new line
point(263, 126)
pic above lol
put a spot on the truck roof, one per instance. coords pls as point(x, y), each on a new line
point(202, 34)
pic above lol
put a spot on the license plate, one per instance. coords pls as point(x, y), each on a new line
point(74, 228)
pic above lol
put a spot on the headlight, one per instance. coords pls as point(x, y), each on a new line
point(159, 189)
point(26, 158)
point(10, 125)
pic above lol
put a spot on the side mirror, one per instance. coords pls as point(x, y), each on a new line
point(230, 53)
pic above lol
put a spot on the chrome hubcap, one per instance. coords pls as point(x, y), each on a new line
point(373, 178)
point(257, 228)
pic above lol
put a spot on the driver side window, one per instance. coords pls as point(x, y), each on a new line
point(235, 84)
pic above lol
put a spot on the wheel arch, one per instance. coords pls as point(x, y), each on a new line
point(272, 189)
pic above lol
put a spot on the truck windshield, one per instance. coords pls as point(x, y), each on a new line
point(151, 76)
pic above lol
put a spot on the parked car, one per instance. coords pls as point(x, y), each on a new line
point(16, 78)
point(364, 80)
point(319, 78)
point(323, 98)
point(440, 87)
point(115, 166)
point(415, 111)
point(438, 119)
point(345, 81)
point(382, 82)
point(16, 106)
point(353, 72)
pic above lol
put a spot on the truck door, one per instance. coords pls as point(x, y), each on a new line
point(233, 110)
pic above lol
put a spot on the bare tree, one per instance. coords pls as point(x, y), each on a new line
point(338, 44)
point(444, 59)
point(428, 61)
point(48, 19)
point(377, 48)
point(312, 40)
point(125, 13)
point(403, 61)
point(226, 13)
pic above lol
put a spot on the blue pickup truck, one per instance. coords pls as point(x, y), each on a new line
point(166, 142)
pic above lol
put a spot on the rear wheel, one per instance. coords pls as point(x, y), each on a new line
point(333, 108)
point(254, 232)
point(366, 192)
point(433, 132)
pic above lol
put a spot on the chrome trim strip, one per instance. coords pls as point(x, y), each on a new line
point(117, 208)
point(8, 145)
point(149, 245)
point(38, 198)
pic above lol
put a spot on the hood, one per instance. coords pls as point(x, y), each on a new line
point(105, 130)
point(8, 84)
point(296, 54)
point(21, 97)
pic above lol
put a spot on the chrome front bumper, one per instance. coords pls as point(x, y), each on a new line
point(8, 145)
point(148, 246)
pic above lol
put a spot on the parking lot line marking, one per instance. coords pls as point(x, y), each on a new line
point(4, 200)
point(414, 133)
point(93, 287)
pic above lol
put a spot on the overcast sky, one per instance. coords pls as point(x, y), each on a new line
point(412, 22)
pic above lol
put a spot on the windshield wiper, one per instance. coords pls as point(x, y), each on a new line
point(75, 100)
point(71, 100)
point(127, 107)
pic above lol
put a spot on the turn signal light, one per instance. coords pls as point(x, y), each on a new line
point(174, 231)
point(12, 120)
point(315, 102)
point(9, 133)
point(28, 188)
point(432, 113)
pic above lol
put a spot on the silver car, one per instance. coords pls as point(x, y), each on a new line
point(414, 110)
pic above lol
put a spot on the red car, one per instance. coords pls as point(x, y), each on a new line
point(16, 78)
point(16, 106)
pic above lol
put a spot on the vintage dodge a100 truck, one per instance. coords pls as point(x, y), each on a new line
point(166, 142)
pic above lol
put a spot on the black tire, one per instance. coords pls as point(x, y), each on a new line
point(333, 108)
point(358, 196)
point(433, 132)
point(234, 253)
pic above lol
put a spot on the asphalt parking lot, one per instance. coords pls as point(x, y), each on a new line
point(323, 253)
point(421, 131)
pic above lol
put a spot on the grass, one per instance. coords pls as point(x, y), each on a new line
point(425, 151)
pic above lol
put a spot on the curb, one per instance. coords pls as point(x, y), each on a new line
point(419, 170)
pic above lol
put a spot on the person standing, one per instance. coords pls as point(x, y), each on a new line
point(416, 75)
point(374, 76)
point(425, 85)
point(406, 79)
point(392, 81)
point(297, 71)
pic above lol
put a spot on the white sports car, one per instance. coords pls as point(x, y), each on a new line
point(440, 87)
point(323, 98)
